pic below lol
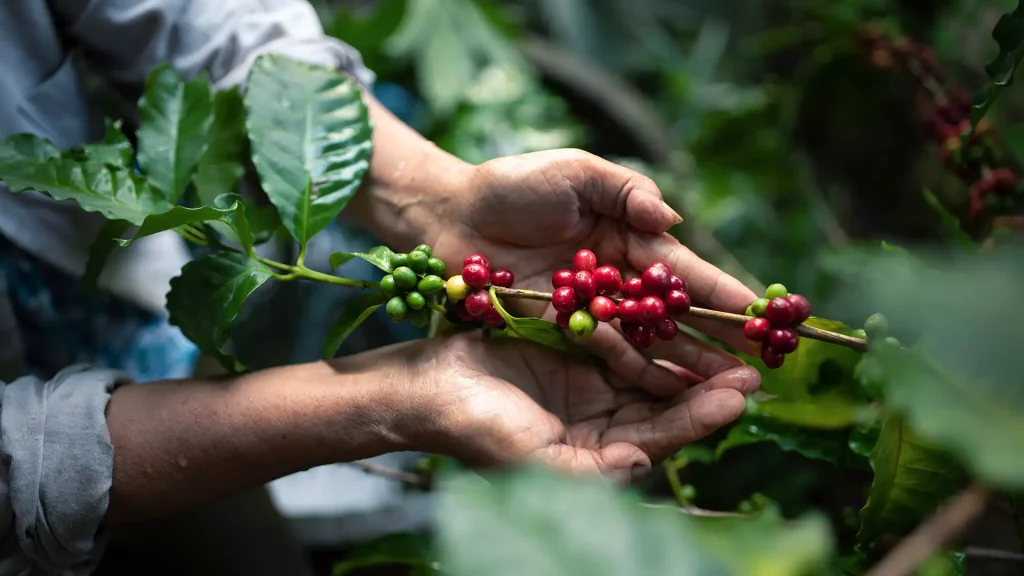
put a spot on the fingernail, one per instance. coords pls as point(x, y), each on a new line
point(672, 212)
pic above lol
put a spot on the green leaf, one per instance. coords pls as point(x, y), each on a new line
point(174, 129)
point(99, 252)
point(379, 256)
point(311, 140)
point(912, 479)
point(180, 216)
point(943, 563)
point(411, 550)
point(1009, 35)
point(31, 163)
point(812, 366)
point(222, 165)
point(536, 330)
point(542, 524)
point(950, 223)
point(114, 150)
point(358, 310)
point(208, 296)
point(828, 445)
point(826, 412)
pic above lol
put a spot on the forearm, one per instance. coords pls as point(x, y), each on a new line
point(410, 185)
point(182, 443)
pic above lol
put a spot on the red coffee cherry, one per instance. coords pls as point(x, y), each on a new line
point(584, 260)
point(770, 357)
point(657, 279)
point(757, 329)
point(629, 311)
point(493, 318)
point(478, 303)
point(678, 283)
point(503, 278)
point(641, 337)
point(584, 285)
point(603, 308)
point(608, 279)
point(783, 340)
point(801, 308)
point(564, 299)
point(652, 310)
point(462, 313)
point(780, 312)
point(677, 302)
point(477, 259)
point(633, 288)
point(562, 319)
point(667, 329)
point(475, 275)
point(562, 278)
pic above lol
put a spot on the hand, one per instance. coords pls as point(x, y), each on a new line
point(497, 402)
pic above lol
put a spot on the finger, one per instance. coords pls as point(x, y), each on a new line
point(618, 461)
point(630, 365)
point(691, 353)
point(691, 378)
point(680, 425)
point(613, 190)
point(746, 380)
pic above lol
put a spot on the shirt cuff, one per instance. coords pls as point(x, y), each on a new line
point(58, 467)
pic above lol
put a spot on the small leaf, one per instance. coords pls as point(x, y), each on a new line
point(1009, 35)
point(358, 310)
point(207, 297)
point(828, 445)
point(826, 412)
point(114, 150)
point(536, 330)
point(813, 365)
point(222, 165)
point(950, 223)
point(180, 216)
point(311, 140)
point(27, 148)
point(105, 243)
point(379, 256)
point(173, 132)
point(912, 479)
point(412, 550)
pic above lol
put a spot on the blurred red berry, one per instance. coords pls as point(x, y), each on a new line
point(641, 337)
point(564, 299)
point(608, 279)
point(475, 275)
point(562, 319)
point(667, 329)
point(652, 310)
point(493, 318)
point(656, 279)
point(677, 302)
point(678, 283)
point(503, 278)
point(478, 303)
point(477, 259)
point(562, 278)
point(462, 313)
point(584, 285)
point(757, 329)
point(783, 340)
point(801, 308)
point(603, 308)
point(584, 260)
point(629, 311)
point(633, 288)
point(779, 312)
point(771, 358)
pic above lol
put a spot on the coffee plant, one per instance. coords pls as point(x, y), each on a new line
point(938, 440)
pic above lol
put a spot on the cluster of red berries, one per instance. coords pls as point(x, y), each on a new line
point(583, 297)
point(774, 324)
point(469, 290)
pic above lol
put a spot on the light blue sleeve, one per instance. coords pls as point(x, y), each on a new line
point(56, 469)
point(128, 38)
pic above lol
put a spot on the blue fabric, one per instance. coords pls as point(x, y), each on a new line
point(61, 324)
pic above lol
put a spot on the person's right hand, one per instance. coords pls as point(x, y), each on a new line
point(500, 402)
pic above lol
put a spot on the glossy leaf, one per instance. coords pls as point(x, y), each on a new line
point(1009, 35)
point(222, 166)
point(114, 150)
point(208, 296)
point(180, 216)
point(542, 524)
point(412, 550)
point(813, 365)
point(828, 445)
point(542, 332)
point(174, 129)
point(912, 479)
point(358, 310)
point(310, 135)
point(826, 412)
point(379, 256)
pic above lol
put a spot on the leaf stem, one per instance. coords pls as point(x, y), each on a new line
point(301, 271)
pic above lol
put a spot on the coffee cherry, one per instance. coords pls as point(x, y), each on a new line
point(677, 302)
point(876, 326)
point(397, 309)
point(678, 283)
point(430, 285)
point(415, 300)
point(783, 340)
point(859, 333)
point(477, 259)
point(771, 358)
point(633, 288)
point(456, 288)
point(562, 278)
point(652, 310)
point(801, 308)
point(387, 285)
point(603, 308)
point(629, 311)
point(399, 259)
point(656, 280)
point(759, 307)
point(582, 324)
point(425, 249)
point(436, 266)
point(462, 313)
point(891, 342)
point(476, 275)
point(775, 291)
point(493, 318)
point(584, 260)
point(478, 303)
point(667, 329)
point(562, 319)
point(779, 312)
point(503, 278)
point(418, 261)
point(641, 337)
point(564, 299)
point(419, 318)
point(757, 329)
point(584, 285)
point(608, 279)
point(405, 278)
point(749, 311)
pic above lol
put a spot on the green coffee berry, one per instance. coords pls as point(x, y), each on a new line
point(456, 288)
point(397, 309)
point(582, 324)
point(400, 259)
point(425, 249)
point(759, 306)
point(749, 311)
point(776, 291)
point(435, 266)
point(415, 300)
point(419, 318)
point(430, 285)
point(687, 492)
point(876, 326)
point(858, 333)
point(387, 285)
point(890, 341)
point(418, 261)
point(405, 278)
